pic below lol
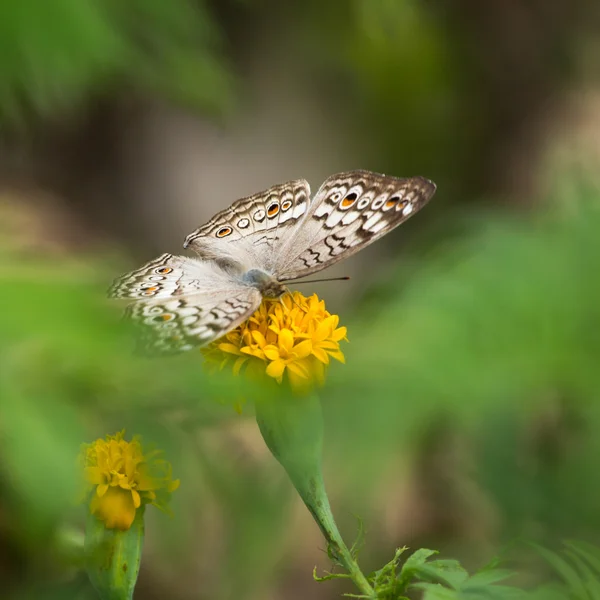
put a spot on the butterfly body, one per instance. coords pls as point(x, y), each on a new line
point(265, 283)
point(249, 250)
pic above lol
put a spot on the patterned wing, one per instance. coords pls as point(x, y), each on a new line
point(162, 277)
point(350, 211)
point(250, 232)
point(179, 324)
point(184, 302)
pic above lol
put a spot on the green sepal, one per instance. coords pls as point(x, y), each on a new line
point(113, 557)
point(293, 431)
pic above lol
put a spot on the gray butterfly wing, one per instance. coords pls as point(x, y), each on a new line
point(184, 303)
point(250, 232)
point(163, 277)
point(176, 325)
point(350, 211)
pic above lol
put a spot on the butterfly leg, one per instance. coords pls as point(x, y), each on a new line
point(288, 291)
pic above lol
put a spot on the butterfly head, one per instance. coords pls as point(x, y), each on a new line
point(265, 283)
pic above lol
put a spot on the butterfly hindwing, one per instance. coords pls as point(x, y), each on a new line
point(179, 324)
point(160, 278)
point(184, 302)
point(350, 211)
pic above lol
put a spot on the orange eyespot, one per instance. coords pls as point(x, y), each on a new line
point(152, 289)
point(391, 202)
point(224, 231)
point(347, 202)
point(163, 270)
point(162, 318)
point(286, 205)
point(273, 209)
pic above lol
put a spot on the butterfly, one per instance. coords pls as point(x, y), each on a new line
point(249, 250)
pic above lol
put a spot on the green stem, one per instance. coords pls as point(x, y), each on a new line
point(316, 500)
point(293, 431)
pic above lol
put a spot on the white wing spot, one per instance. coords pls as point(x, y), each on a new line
point(350, 217)
point(323, 209)
point(299, 209)
point(407, 210)
point(363, 203)
point(334, 218)
point(259, 215)
point(243, 223)
point(378, 226)
point(371, 221)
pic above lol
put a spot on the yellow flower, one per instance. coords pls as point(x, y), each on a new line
point(121, 478)
point(292, 338)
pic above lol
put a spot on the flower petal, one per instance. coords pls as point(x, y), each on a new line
point(321, 355)
point(339, 334)
point(115, 508)
point(137, 501)
point(275, 369)
point(286, 340)
point(303, 349)
point(271, 352)
point(338, 355)
point(239, 363)
point(299, 369)
point(94, 475)
point(229, 348)
point(259, 338)
point(324, 329)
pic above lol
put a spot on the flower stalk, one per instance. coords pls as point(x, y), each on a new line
point(293, 431)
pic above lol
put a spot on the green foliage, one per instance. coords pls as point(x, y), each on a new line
point(438, 579)
point(491, 333)
point(53, 55)
point(579, 569)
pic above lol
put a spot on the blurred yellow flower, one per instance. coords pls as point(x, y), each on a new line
point(120, 478)
point(286, 339)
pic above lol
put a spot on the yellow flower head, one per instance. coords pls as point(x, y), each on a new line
point(292, 338)
point(122, 478)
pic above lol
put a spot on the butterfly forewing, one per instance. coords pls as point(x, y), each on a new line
point(250, 232)
point(350, 211)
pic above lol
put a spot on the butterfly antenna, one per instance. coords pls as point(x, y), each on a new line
point(320, 280)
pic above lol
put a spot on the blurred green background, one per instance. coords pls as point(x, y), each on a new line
point(467, 417)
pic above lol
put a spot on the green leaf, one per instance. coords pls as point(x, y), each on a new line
point(435, 591)
point(489, 576)
point(588, 552)
point(566, 571)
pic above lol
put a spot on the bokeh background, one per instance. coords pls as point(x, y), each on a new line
point(467, 416)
